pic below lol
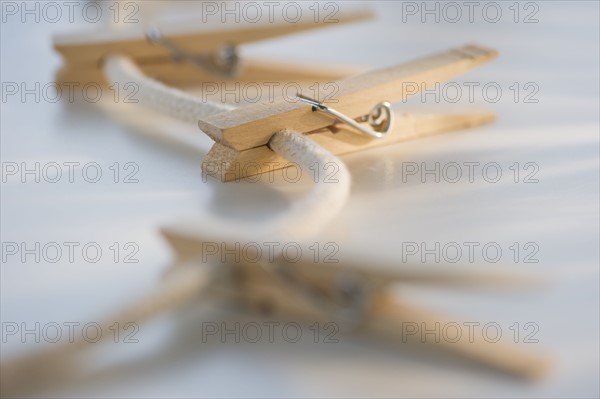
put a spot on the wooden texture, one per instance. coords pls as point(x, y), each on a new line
point(310, 292)
point(392, 320)
point(189, 247)
point(185, 74)
point(84, 52)
point(253, 126)
point(227, 164)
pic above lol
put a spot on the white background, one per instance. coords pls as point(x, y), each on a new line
point(559, 133)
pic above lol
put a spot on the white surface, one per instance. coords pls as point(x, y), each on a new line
point(560, 214)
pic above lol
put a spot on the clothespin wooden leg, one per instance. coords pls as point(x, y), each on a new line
point(263, 290)
point(41, 368)
point(390, 319)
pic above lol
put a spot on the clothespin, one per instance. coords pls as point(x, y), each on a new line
point(332, 115)
point(331, 119)
point(184, 56)
point(357, 296)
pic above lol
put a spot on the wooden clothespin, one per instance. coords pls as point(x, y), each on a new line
point(242, 135)
point(355, 296)
point(332, 117)
point(184, 56)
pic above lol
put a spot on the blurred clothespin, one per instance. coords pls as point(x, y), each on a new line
point(186, 56)
point(357, 297)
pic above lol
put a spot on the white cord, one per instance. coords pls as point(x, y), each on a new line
point(304, 219)
point(156, 95)
point(328, 196)
point(307, 216)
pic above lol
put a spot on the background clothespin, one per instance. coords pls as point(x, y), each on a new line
point(356, 296)
point(164, 53)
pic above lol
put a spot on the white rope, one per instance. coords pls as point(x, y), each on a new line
point(304, 219)
point(328, 196)
point(156, 95)
point(307, 216)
